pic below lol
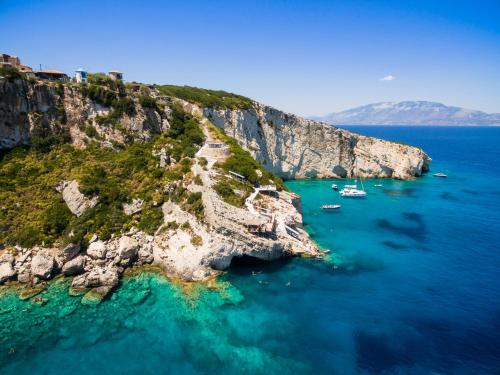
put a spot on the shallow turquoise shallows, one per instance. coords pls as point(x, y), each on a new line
point(412, 287)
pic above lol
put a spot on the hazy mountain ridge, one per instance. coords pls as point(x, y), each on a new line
point(410, 113)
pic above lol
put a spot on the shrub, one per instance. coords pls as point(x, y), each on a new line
point(56, 218)
point(226, 192)
point(202, 161)
point(147, 101)
point(194, 205)
point(10, 73)
point(44, 138)
point(207, 98)
point(171, 225)
point(123, 105)
point(196, 240)
point(90, 131)
point(150, 220)
point(197, 180)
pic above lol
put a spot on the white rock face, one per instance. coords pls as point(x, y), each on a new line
point(76, 201)
point(97, 250)
point(6, 271)
point(127, 248)
point(296, 148)
point(42, 265)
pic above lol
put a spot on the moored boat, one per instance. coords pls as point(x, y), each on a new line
point(335, 187)
point(330, 206)
point(440, 174)
point(353, 193)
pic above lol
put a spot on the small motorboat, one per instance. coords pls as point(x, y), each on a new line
point(440, 174)
point(335, 187)
point(378, 185)
point(330, 206)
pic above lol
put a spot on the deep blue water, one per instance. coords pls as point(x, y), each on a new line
point(412, 287)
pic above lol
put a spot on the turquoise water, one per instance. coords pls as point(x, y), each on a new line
point(412, 287)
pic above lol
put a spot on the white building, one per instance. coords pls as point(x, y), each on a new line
point(81, 75)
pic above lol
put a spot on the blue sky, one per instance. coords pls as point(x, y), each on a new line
point(306, 57)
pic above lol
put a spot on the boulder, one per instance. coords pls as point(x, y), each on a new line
point(97, 250)
point(127, 248)
point(7, 258)
point(133, 208)
point(42, 265)
point(70, 251)
point(74, 267)
point(76, 201)
point(6, 272)
point(146, 254)
point(96, 277)
point(24, 277)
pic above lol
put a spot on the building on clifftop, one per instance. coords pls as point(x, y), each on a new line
point(14, 61)
point(52, 75)
point(115, 75)
point(81, 75)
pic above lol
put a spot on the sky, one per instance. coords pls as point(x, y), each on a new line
point(306, 57)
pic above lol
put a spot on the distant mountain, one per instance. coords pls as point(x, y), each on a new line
point(410, 113)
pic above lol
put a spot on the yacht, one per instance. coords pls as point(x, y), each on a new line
point(440, 174)
point(352, 191)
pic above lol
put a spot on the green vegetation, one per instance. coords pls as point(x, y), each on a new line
point(102, 79)
point(194, 204)
point(90, 131)
point(43, 138)
point(186, 131)
point(10, 73)
point(147, 101)
point(150, 220)
point(233, 191)
point(196, 240)
point(243, 163)
point(207, 98)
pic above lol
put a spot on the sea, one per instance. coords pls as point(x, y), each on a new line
point(411, 286)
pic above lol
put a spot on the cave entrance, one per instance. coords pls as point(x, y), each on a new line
point(246, 264)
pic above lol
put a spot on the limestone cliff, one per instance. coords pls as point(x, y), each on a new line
point(296, 148)
point(287, 145)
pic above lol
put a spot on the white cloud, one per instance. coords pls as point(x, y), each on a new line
point(390, 77)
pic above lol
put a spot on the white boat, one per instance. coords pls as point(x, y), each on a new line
point(352, 191)
point(335, 187)
point(440, 174)
point(330, 206)
point(378, 185)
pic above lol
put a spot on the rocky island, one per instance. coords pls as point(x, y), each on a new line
point(100, 176)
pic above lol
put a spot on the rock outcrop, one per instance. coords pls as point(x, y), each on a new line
point(296, 148)
point(42, 265)
point(6, 271)
point(76, 201)
point(75, 266)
